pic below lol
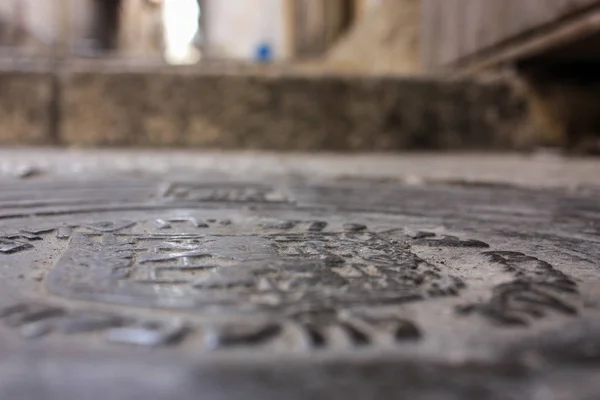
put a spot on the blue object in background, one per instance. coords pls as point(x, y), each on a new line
point(264, 53)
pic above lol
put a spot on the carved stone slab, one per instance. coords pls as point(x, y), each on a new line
point(203, 289)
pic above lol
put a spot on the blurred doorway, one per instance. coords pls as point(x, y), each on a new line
point(105, 28)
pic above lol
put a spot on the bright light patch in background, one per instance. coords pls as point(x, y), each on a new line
point(180, 19)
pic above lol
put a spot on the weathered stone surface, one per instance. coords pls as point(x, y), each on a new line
point(286, 112)
point(25, 108)
point(541, 170)
point(180, 283)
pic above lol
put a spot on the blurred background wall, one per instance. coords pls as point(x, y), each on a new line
point(549, 48)
point(376, 35)
point(186, 31)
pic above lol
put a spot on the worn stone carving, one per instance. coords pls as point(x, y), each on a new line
point(423, 239)
point(253, 266)
point(34, 320)
point(276, 271)
point(8, 246)
point(241, 193)
point(537, 288)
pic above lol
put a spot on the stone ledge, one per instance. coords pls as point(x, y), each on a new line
point(287, 112)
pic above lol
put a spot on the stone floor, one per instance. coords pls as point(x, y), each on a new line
point(540, 169)
point(183, 275)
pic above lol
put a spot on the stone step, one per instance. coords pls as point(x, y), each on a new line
point(258, 110)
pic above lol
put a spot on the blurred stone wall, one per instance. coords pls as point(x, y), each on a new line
point(46, 26)
point(236, 28)
point(257, 110)
point(386, 39)
point(141, 31)
point(30, 24)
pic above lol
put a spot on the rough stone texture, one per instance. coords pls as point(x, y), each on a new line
point(286, 112)
point(150, 275)
point(25, 108)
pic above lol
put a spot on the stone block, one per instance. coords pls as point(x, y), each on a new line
point(26, 104)
point(286, 112)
